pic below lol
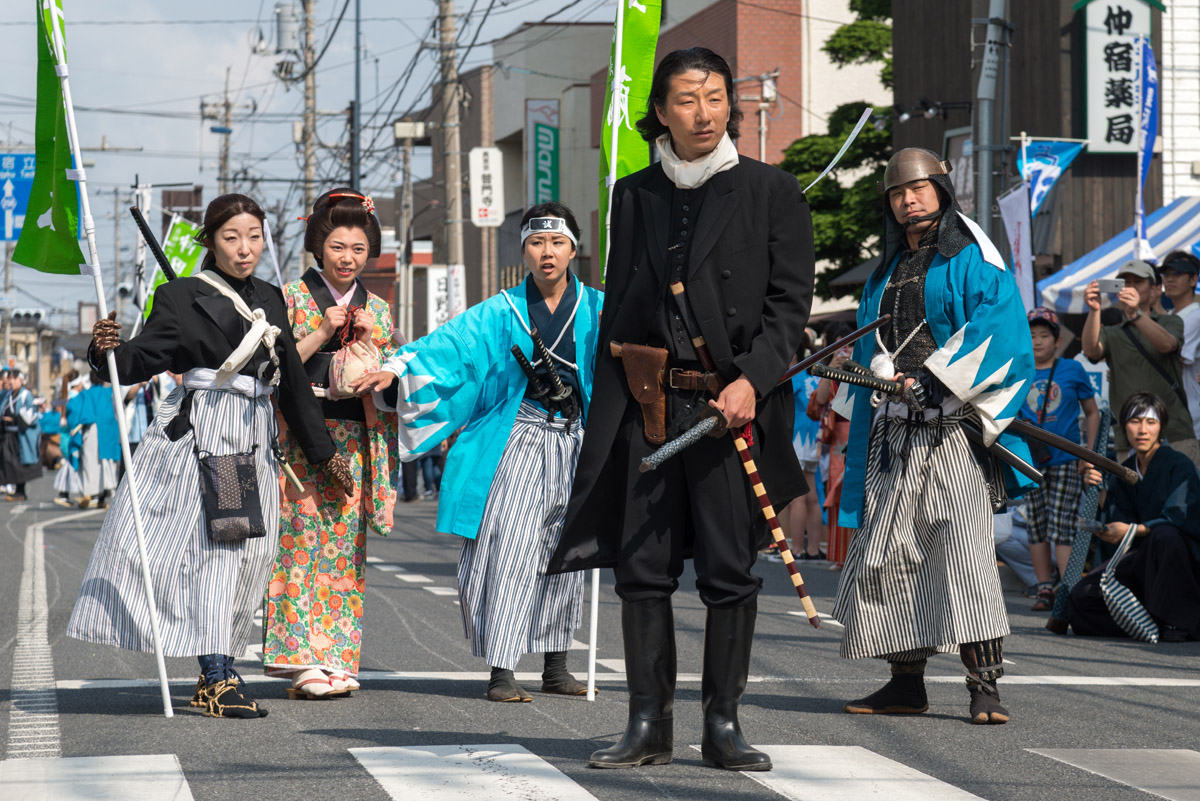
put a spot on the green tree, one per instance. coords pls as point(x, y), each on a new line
point(846, 218)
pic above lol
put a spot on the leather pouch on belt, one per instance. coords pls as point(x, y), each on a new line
point(645, 369)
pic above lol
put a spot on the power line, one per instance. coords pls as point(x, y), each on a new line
point(140, 22)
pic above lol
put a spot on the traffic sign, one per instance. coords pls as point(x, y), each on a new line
point(16, 181)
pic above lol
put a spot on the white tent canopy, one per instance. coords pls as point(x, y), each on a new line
point(1173, 227)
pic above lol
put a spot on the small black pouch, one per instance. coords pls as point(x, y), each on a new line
point(229, 491)
point(1039, 451)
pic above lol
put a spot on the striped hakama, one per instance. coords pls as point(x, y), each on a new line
point(920, 575)
point(206, 592)
point(510, 606)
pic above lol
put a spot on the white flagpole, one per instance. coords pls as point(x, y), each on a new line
point(89, 227)
point(611, 181)
point(614, 138)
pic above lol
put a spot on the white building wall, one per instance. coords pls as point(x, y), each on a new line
point(826, 86)
point(1179, 76)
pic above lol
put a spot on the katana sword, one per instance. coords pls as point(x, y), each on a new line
point(152, 243)
point(743, 450)
point(1016, 426)
point(693, 435)
point(539, 388)
point(829, 350)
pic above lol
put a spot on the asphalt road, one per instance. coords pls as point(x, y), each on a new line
point(422, 703)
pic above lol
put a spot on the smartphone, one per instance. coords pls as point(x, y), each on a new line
point(1111, 286)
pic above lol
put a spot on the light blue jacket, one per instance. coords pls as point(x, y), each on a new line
point(463, 374)
point(24, 407)
point(984, 356)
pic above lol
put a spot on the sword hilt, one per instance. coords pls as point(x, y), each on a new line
point(539, 388)
point(913, 396)
point(559, 390)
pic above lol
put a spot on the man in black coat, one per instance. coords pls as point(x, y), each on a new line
point(738, 235)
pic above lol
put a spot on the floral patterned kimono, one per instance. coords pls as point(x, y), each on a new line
point(314, 602)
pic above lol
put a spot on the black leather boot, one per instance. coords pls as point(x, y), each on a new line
point(648, 628)
point(728, 635)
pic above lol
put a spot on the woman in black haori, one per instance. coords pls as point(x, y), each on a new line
point(205, 591)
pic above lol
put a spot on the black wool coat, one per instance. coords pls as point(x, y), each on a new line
point(194, 325)
point(750, 283)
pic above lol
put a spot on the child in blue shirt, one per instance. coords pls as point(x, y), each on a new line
point(1060, 390)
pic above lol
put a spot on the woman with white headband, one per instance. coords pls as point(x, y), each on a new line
point(1161, 516)
point(509, 474)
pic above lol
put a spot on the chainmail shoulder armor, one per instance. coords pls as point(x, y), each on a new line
point(904, 299)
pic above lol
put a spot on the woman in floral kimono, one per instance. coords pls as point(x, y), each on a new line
point(313, 625)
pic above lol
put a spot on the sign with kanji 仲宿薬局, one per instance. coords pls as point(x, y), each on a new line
point(1111, 54)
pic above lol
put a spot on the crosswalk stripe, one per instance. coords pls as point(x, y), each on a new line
point(414, 579)
point(442, 590)
point(153, 777)
point(848, 773)
point(467, 773)
point(1167, 773)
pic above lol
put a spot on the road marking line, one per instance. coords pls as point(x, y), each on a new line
point(618, 666)
point(373, 560)
point(1166, 773)
point(467, 773)
point(824, 618)
point(848, 773)
point(389, 568)
point(414, 579)
point(576, 645)
point(156, 777)
point(441, 590)
point(33, 685)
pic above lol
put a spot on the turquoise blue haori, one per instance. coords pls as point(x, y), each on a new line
point(984, 356)
point(463, 375)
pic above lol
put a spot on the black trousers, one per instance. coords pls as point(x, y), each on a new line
point(1159, 571)
point(699, 503)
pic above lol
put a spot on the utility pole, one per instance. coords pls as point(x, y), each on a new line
point(403, 285)
point(310, 120)
point(451, 135)
point(8, 313)
point(767, 95)
point(226, 120)
point(356, 108)
point(487, 234)
point(985, 103)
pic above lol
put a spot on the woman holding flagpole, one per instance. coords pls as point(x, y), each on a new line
point(522, 411)
point(210, 493)
point(313, 627)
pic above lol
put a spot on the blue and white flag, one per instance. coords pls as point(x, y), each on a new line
point(1040, 163)
point(1147, 133)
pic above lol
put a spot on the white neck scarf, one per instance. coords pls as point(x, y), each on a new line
point(691, 174)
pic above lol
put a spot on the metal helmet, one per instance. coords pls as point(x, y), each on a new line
point(912, 164)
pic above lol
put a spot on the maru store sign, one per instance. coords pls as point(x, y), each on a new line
point(541, 151)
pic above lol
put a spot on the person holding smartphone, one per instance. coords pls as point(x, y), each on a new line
point(1142, 352)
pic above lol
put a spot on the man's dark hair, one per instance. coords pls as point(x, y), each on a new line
point(552, 208)
point(1137, 404)
point(677, 63)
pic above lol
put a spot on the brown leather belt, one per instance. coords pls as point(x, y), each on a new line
point(693, 380)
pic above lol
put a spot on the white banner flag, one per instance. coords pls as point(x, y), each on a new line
point(1014, 210)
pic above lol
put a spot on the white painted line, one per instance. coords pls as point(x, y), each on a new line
point(389, 568)
point(1173, 774)
point(441, 590)
point(576, 645)
point(156, 777)
point(824, 618)
point(373, 560)
point(32, 696)
point(848, 773)
point(414, 579)
point(618, 666)
point(467, 773)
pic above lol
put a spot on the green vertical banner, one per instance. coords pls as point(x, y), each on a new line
point(182, 250)
point(635, 39)
point(49, 240)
